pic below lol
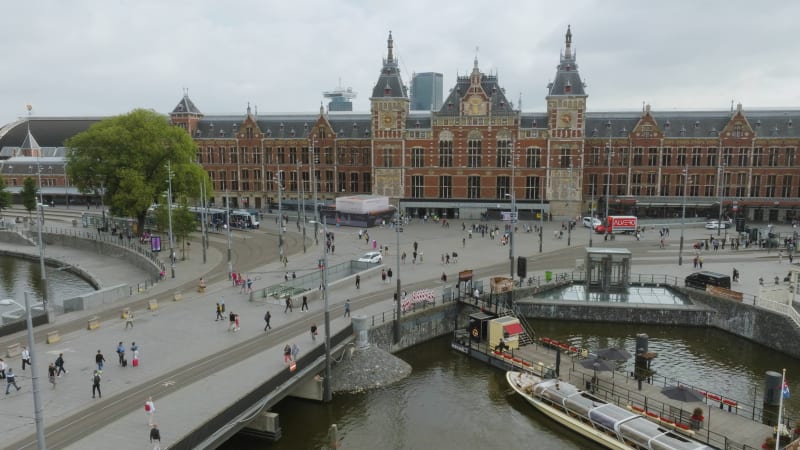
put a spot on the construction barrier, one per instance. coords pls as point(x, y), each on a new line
point(93, 323)
point(13, 350)
point(177, 296)
point(125, 313)
point(53, 337)
point(153, 305)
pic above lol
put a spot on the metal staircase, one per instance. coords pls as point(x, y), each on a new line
point(527, 335)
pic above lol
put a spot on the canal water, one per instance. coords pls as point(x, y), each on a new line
point(18, 276)
point(453, 402)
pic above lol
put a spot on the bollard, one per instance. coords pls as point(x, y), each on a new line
point(152, 305)
point(13, 350)
point(53, 337)
point(92, 324)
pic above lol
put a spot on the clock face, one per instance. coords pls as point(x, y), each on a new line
point(475, 104)
point(387, 119)
point(565, 119)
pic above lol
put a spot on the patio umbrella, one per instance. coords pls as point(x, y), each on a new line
point(682, 394)
point(597, 364)
point(613, 354)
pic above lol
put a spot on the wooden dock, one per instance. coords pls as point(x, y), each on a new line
point(725, 425)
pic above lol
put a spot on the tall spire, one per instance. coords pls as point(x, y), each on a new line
point(390, 46)
point(568, 44)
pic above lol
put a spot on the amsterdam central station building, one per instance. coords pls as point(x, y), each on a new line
point(474, 157)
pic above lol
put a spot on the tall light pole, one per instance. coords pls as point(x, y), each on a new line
point(228, 226)
point(721, 191)
point(280, 217)
point(397, 229)
point(37, 403)
point(542, 190)
point(326, 382)
point(303, 201)
point(683, 212)
point(169, 218)
point(513, 216)
point(203, 225)
point(42, 267)
point(609, 156)
point(314, 188)
point(591, 219)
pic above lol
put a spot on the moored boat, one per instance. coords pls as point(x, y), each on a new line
point(605, 423)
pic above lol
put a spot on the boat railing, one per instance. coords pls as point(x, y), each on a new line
point(613, 392)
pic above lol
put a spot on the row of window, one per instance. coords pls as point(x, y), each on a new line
point(532, 157)
point(284, 155)
point(291, 181)
point(733, 185)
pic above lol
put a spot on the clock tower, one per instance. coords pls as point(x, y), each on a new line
point(389, 107)
point(566, 111)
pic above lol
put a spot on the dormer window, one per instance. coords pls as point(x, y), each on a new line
point(222, 132)
point(758, 123)
point(697, 124)
point(197, 132)
point(533, 124)
point(292, 132)
point(567, 87)
point(269, 132)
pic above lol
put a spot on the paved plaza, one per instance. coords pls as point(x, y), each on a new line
point(179, 333)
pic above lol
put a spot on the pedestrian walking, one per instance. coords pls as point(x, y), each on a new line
point(347, 308)
point(249, 285)
point(149, 410)
point(3, 368)
point(155, 437)
point(11, 380)
point(51, 374)
point(444, 277)
point(59, 365)
point(26, 357)
point(135, 352)
point(267, 318)
point(295, 352)
point(96, 384)
point(129, 320)
point(100, 360)
point(358, 281)
point(231, 321)
point(236, 323)
point(313, 331)
point(403, 257)
point(700, 261)
point(287, 354)
point(219, 313)
point(304, 306)
point(415, 246)
point(389, 274)
point(121, 354)
point(383, 275)
point(288, 305)
point(222, 304)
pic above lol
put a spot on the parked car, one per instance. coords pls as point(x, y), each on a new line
point(715, 224)
point(371, 257)
point(699, 280)
point(590, 222)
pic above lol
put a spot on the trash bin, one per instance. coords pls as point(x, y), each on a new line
point(548, 276)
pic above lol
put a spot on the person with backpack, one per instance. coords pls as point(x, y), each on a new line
point(11, 380)
point(96, 384)
point(313, 331)
point(155, 437)
point(60, 365)
point(121, 354)
point(149, 410)
point(267, 318)
point(99, 359)
point(231, 321)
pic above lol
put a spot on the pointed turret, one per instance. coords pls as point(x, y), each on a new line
point(187, 115)
point(568, 80)
point(390, 84)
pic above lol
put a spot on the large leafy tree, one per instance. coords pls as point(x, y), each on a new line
point(125, 160)
point(28, 194)
point(5, 196)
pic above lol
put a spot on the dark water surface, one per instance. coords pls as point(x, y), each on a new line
point(18, 276)
point(452, 402)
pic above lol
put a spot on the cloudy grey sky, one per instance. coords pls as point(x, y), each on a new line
point(87, 57)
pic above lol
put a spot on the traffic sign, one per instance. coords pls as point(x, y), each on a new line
point(509, 216)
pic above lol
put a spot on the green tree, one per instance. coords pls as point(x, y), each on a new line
point(125, 159)
point(28, 194)
point(183, 222)
point(5, 196)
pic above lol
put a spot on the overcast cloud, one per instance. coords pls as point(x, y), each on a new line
point(87, 58)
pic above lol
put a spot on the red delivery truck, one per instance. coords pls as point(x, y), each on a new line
point(619, 224)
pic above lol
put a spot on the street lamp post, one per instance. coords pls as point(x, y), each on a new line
point(203, 220)
point(42, 267)
point(280, 218)
point(326, 382)
point(609, 156)
point(541, 210)
point(591, 219)
point(169, 218)
point(683, 212)
point(721, 192)
point(303, 202)
point(228, 226)
point(37, 403)
point(513, 216)
point(397, 229)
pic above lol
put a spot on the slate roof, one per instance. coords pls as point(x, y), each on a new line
point(390, 83)
point(289, 126)
point(533, 120)
point(185, 106)
point(568, 80)
point(490, 85)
